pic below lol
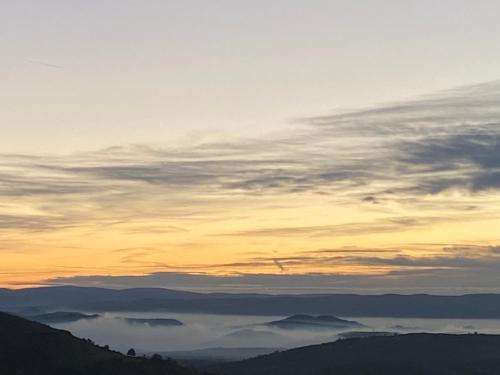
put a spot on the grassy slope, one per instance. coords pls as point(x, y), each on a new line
point(30, 348)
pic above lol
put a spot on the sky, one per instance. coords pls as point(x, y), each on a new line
point(286, 146)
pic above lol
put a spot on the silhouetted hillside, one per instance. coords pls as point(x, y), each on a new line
point(413, 354)
point(219, 354)
point(203, 359)
point(30, 348)
point(472, 306)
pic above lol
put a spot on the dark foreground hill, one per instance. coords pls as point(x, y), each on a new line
point(422, 354)
point(30, 348)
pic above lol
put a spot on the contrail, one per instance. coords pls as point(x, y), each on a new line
point(45, 64)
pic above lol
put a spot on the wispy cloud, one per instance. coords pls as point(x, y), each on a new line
point(406, 166)
point(379, 226)
point(447, 275)
point(417, 147)
point(389, 153)
point(445, 269)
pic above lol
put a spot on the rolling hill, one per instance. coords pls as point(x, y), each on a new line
point(412, 354)
point(61, 317)
point(309, 322)
point(31, 348)
point(154, 322)
point(70, 298)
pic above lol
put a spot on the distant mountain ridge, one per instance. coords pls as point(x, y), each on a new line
point(155, 322)
point(471, 306)
point(61, 317)
point(304, 321)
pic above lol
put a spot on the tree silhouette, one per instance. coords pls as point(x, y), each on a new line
point(131, 352)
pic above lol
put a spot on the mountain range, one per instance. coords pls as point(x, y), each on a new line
point(471, 306)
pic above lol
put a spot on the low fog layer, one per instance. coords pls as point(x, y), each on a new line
point(209, 331)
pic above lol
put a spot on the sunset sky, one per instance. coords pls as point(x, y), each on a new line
point(251, 145)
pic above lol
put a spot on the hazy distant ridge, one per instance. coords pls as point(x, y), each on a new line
point(157, 299)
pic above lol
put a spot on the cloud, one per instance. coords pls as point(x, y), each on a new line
point(456, 132)
point(449, 269)
point(449, 140)
point(467, 257)
point(406, 166)
point(419, 280)
point(379, 226)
